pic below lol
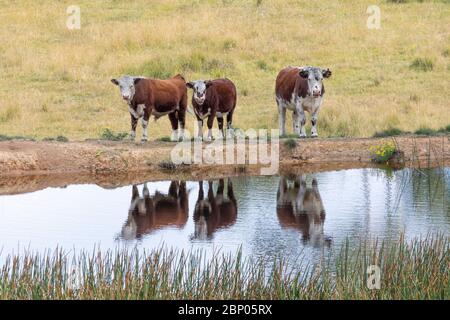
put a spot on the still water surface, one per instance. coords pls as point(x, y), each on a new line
point(266, 216)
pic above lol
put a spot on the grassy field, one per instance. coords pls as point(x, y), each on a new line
point(416, 270)
point(56, 82)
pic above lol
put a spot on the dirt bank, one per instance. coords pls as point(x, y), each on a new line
point(28, 165)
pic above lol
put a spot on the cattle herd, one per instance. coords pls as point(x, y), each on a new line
point(298, 89)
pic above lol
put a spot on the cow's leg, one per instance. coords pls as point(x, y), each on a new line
point(174, 123)
point(281, 117)
point(301, 193)
point(229, 124)
point(220, 123)
point(220, 189)
point(200, 128)
point(314, 117)
point(182, 107)
point(209, 123)
point(145, 119)
point(201, 194)
point(282, 188)
point(181, 122)
point(134, 122)
point(230, 192)
point(301, 119)
point(295, 123)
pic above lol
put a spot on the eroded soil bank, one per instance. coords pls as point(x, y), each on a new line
point(28, 166)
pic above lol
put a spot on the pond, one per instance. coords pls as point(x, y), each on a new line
point(266, 216)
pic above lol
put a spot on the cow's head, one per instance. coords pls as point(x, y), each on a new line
point(199, 88)
point(127, 86)
point(314, 76)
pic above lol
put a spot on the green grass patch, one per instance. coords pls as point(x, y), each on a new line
point(290, 143)
point(391, 132)
point(445, 129)
point(9, 138)
point(422, 64)
point(108, 134)
point(58, 138)
point(164, 139)
point(425, 132)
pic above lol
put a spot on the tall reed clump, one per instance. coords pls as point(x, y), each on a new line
point(415, 270)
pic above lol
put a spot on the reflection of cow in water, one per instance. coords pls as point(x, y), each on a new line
point(301, 208)
point(214, 212)
point(148, 213)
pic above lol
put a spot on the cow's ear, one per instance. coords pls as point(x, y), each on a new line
point(190, 85)
point(136, 80)
point(326, 73)
point(208, 83)
point(115, 82)
point(304, 73)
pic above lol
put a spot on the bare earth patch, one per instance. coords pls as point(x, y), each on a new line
point(27, 165)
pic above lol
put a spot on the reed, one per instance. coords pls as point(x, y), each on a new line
point(418, 269)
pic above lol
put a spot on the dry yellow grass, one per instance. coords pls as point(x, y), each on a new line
point(55, 81)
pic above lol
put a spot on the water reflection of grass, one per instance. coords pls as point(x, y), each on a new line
point(414, 270)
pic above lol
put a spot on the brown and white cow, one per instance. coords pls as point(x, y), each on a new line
point(301, 208)
point(214, 212)
point(148, 213)
point(146, 97)
point(300, 89)
point(213, 98)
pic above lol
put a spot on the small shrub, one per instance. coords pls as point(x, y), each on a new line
point(422, 64)
point(9, 138)
point(9, 114)
point(290, 143)
point(425, 131)
point(414, 98)
point(107, 134)
point(164, 139)
point(62, 139)
point(261, 64)
point(445, 129)
point(58, 138)
point(229, 44)
point(167, 165)
point(388, 133)
point(383, 152)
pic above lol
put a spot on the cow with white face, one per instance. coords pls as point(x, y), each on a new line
point(213, 99)
point(146, 97)
point(300, 89)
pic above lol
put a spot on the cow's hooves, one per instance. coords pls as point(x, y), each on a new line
point(143, 140)
point(314, 135)
point(302, 136)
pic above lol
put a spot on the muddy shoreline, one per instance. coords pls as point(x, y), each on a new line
point(27, 166)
